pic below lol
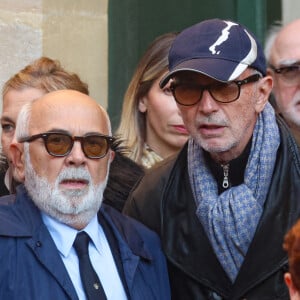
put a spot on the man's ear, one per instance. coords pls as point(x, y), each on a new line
point(264, 90)
point(112, 155)
point(17, 158)
point(289, 282)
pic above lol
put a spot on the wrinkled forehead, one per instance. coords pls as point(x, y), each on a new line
point(76, 118)
point(286, 47)
point(193, 77)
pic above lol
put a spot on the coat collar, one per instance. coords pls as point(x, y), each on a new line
point(125, 230)
point(19, 218)
point(23, 219)
point(187, 246)
point(131, 245)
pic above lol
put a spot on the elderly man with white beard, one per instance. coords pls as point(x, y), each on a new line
point(282, 50)
point(57, 239)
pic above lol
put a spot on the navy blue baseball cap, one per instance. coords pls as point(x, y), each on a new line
point(220, 49)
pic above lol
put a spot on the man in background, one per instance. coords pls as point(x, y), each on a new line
point(236, 180)
point(283, 56)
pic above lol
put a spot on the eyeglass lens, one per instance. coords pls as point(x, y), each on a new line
point(189, 94)
point(93, 146)
point(290, 74)
point(58, 144)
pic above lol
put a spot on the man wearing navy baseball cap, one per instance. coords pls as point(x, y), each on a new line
point(223, 205)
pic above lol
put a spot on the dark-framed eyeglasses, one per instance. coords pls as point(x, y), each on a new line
point(59, 144)
point(289, 73)
point(189, 93)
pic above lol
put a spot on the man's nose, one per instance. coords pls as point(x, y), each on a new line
point(207, 104)
point(76, 156)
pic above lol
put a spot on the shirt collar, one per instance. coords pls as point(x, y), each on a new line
point(64, 235)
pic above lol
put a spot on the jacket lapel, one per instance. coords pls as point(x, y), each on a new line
point(184, 240)
point(187, 246)
point(131, 245)
point(265, 254)
point(46, 252)
point(25, 221)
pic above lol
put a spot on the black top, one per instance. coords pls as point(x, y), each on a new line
point(236, 169)
point(3, 189)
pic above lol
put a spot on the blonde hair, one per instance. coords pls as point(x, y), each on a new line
point(47, 75)
point(154, 62)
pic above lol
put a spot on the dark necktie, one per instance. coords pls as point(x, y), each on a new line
point(91, 283)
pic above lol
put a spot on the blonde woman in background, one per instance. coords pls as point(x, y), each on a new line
point(42, 76)
point(151, 125)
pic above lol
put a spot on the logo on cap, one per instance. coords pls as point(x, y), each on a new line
point(220, 49)
point(224, 36)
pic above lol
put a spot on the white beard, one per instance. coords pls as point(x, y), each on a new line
point(71, 207)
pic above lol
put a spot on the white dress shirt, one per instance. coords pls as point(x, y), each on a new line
point(100, 255)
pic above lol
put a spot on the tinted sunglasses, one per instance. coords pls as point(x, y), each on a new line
point(61, 144)
point(289, 73)
point(189, 93)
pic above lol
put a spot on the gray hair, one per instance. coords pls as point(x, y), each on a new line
point(270, 39)
point(107, 119)
point(22, 127)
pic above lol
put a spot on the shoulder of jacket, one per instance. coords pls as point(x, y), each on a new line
point(288, 145)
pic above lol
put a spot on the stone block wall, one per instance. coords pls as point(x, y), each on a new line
point(72, 31)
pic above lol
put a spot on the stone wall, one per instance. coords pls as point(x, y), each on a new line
point(72, 31)
point(290, 10)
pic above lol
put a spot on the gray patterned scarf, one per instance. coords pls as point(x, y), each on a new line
point(230, 219)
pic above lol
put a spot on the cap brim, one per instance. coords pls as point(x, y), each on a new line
point(218, 69)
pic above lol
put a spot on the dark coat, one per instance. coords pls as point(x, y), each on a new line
point(32, 269)
point(164, 202)
point(123, 175)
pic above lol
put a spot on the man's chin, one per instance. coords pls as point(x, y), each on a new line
point(74, 192)
point(76, 219)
